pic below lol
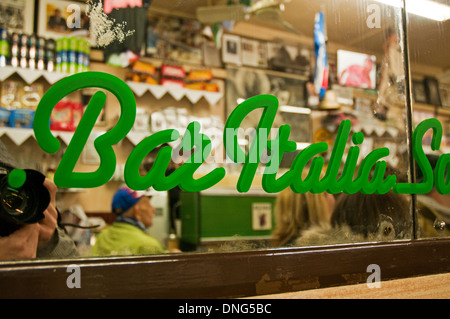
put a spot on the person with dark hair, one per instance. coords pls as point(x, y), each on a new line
point(57, 22)
point(45, 239)
point(373, 216)
point(363, 217)
point(433, 209)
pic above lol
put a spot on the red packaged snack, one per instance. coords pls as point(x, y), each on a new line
point(65, 116)
point(172, 71)
point(61, 117)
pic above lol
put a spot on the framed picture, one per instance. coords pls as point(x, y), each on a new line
point(356, 69)
point(231, 49)
point(17, 15)
point(288, 58)
point(445, 95)
point(59, 18)
point(418, 92)
point(254, 52)
point(176, 39)
point(432, 91)
point(211, 55)
point(262, 216)
point(86, 95)
point(290, 90)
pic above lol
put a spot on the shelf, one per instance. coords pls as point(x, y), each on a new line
point(436, 110)
point(20, 135)
point(158, 91)
point(378, 130)
point(30, 76)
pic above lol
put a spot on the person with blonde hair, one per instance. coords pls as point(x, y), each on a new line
point(296, 212)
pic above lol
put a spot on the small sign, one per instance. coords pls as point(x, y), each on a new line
point(262, 216)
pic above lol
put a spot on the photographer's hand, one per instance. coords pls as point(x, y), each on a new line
point(48, 225)
point(21, 244)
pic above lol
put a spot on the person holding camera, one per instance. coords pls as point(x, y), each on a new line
point(43, 239)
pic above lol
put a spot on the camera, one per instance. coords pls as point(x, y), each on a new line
point(22, 205)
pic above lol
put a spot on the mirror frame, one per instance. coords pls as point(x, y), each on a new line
point(231, 274)
point(224, 275)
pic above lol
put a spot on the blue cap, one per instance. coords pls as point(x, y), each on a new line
point(124, 199)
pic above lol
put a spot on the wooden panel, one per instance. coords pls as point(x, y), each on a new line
point(426, 287)
point(222, 275)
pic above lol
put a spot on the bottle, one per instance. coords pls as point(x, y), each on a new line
point(4, 47)
point(72, 55)
point(80, 55)
point(40, 53)
point(15, 46)
point(32, 40)
point(87, 55)
point(23, 51)
point(58, 55)
point(65, 55)
point(50, 59)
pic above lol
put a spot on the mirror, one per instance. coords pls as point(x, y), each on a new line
point(428, 39)
point(326, 62)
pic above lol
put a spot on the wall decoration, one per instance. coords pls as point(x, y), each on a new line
point(356, 69)
point(86, 95)
point(211, 55)
point(261, 216)
point(254, 52)
point(432, 91)
point(243, 83)
point(418, 90)
point(56, 19)
point(17, 15)
point(176, 39)
point(444, 91)
point(231, 49)
point(289, 58)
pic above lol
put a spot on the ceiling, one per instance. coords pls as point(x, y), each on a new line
point(429, 41)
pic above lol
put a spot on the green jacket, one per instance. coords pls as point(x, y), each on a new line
point(125, 239)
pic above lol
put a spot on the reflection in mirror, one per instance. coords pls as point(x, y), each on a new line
point(429, 42)
point(324, 61)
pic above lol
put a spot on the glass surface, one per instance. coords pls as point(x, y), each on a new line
point(271, 52)
point(429, 40)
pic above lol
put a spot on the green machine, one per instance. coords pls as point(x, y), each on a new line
point(218, 215)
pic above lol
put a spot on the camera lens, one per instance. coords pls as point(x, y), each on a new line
point(22, 203)
point(14, 202)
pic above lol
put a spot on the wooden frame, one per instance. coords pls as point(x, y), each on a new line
point(27, 13)
point(67, 9)
point(225, 275)
point(432, 91)
point(445, 95)
point(418, 92)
